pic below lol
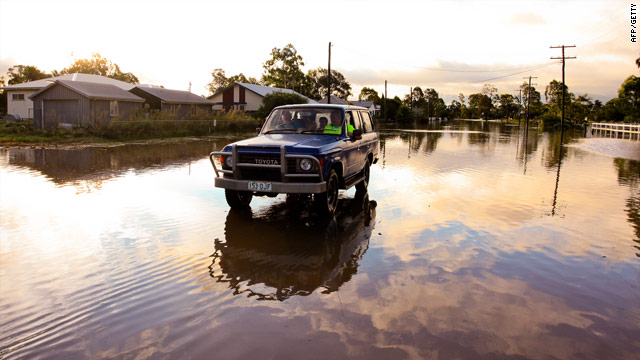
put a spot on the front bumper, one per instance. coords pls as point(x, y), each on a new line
point(276, 187)
point(230, 179)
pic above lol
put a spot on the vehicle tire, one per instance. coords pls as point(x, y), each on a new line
point(327, 202)
point(362, 185)
point(238, 199)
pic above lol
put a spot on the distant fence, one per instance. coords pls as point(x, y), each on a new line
point(616, 131)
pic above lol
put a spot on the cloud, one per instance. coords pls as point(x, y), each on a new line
point(526, 18)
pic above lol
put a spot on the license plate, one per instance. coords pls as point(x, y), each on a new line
point(259, 186)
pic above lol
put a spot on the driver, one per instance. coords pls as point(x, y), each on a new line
point(286, 120)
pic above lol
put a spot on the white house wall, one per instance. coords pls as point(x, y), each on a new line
point(217, 98)
point(20, 107)
point(254, 101)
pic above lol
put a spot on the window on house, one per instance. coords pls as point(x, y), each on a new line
point(17, 97)
point(113, 108)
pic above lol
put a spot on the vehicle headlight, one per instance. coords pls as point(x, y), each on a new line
point(229, 161)
point(306, 164)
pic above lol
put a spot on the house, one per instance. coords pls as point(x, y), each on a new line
point(79, 103)
point(373, 108)
point(19, 103)
point(181, 103)
point(245, 97)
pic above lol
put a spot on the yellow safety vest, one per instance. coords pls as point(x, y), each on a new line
point(330, 129)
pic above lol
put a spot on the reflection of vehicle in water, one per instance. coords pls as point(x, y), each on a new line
point(277, 254)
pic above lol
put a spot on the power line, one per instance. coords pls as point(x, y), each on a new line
point(530, 67)
point(517, 73)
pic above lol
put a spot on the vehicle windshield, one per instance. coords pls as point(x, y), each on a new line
point(304, 120)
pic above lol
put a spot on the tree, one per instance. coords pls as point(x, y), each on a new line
point(454, 110)
point(277, 98)
point(220, 80)
point(368, 94)
point(315, 85)
point(240, 78)
point(19, 74)
point(480, 105)
point(508, 107)
point(629, 97)
point(404, 114)
point(553, 95)
point(531, 97)
point(392, 106)
point(580, 109)
point(98, 65)
point(432, 105)
point(630, 91)
point(283, 69)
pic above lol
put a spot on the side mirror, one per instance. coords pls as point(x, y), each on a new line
point(258, 130)
point(356, 134)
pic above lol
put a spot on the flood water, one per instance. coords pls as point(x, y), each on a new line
point(473, 242)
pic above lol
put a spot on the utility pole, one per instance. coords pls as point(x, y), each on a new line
point(529, 99)
point(519, 104)
point(411, 98)
point(385, 101)
point(563, 58)
point(329, 77)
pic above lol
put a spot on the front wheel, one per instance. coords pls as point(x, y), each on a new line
point(238, 199)
point(327, 202)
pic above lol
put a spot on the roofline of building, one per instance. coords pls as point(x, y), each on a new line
point(83, 93)
point(9, 88)
point(190, 102)
point(241, 84)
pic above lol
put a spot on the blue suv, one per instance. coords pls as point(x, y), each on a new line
point(301, 149)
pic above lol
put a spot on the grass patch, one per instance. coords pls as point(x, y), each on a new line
point(137, 127)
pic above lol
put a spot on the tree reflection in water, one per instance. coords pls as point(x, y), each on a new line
point(284, 252)
point(629, 174)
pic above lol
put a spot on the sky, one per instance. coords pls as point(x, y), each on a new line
point(452, 46)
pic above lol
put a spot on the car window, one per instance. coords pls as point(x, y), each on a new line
point(357, 123)
point(306, 120)
point(366, 121)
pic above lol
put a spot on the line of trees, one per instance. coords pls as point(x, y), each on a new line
point(421, 105)
point(283, 69)
point(97, 65)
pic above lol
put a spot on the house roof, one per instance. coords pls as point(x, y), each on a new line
point(334, 100)
point(175, 96)
point(94, 91)
point(261, 90)
point(39, 84)
point(366, 104)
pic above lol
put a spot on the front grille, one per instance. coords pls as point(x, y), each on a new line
point(267, 174)
point(251, 158)
point(260, 174)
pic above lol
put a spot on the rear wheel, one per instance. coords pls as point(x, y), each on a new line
point(327, 202)
point(362, 185)
point(238, 199)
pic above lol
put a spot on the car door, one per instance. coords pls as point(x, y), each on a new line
point(369, 144)
point(355, 156)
